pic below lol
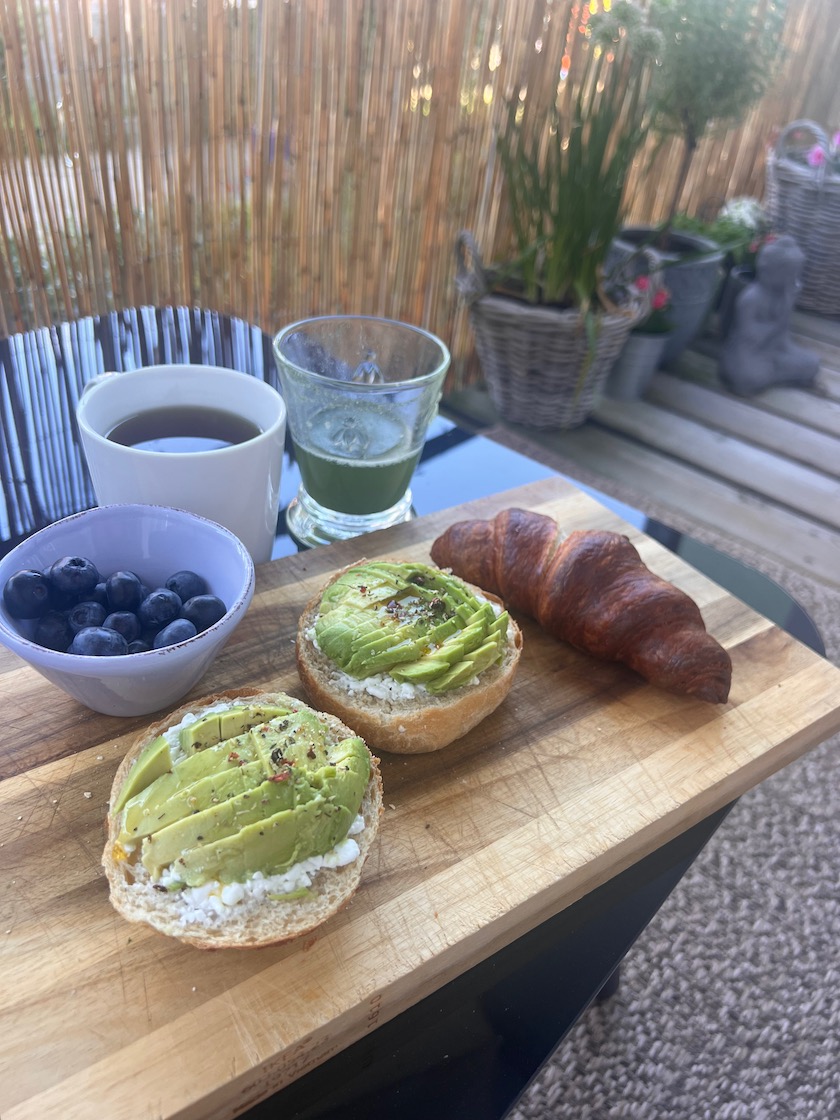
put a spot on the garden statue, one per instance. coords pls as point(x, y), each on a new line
point(758, 351)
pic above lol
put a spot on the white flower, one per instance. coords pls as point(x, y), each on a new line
point(746, 212)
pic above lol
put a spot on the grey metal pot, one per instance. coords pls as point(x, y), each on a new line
point(691, 271)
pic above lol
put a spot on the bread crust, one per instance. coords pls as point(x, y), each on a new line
point(416, 726)
point(275, 922)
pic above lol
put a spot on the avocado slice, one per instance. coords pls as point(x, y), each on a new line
point(274, 844)
point(215, 822)
point(153, 761)
point(295, 737)
point(465, 670)
point(147, 817)
point(216, 727)
point(149, 802)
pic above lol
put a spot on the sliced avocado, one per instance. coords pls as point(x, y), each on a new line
point(336, 639)
point(204, 732)
point(154, 761)
point(277, 826)
point(431, 622)
point(215, 727)
point(351, 762)
point(446, 629)
point(295, 737)
point(367, 664)
point(143, 819)
point(404, 644)
point(460, 647)
point(216, 822)
point(339, 785)
point(277, 792)
point(471, 666)
point(271, 846)
point(419, 672)
point(369, 591)
point(224, 756)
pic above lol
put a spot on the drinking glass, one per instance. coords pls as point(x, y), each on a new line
point(360, 392)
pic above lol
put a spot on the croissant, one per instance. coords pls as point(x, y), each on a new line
point(592, 590)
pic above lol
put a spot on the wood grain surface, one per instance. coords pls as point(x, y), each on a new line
point(582, 771)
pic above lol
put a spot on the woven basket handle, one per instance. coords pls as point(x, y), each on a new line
point(820, 136)
point(470, 277)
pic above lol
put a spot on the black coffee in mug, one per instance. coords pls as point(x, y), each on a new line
point(183, 428)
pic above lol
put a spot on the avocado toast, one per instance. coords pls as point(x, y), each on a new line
point(406, 653)
point(241, 820)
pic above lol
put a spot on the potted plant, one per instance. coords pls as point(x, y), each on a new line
point(718, 58)
point(548, 324)
point(642, 352)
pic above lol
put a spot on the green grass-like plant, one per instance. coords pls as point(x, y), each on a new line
point(565, 174)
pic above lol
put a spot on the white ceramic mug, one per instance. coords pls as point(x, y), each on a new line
point(238, 485)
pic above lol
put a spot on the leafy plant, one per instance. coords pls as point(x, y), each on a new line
point(718, 58)
point(740, 229)
point(565, 174)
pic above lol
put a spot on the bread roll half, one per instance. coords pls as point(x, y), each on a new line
point(389, 719)
point(233, 915)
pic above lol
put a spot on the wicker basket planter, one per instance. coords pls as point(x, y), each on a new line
point(805, 202)
point(537, 362)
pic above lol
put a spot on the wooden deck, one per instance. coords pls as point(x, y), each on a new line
point(764, 471)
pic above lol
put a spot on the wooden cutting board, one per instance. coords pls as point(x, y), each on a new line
point(582, 771)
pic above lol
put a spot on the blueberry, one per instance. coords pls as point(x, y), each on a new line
point(158, 608)
point(124, 591)
point(63, 600)
point(27, 594)
point(53, 631)
point(74, 575)
point(84, 614)
point(178, 631)
point(99, 594)
point(203, 610)
point(96, 641)
point(139, 646)
point(186, 584)
point(125, 623)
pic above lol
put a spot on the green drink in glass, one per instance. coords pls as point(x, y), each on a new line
point(360, 393)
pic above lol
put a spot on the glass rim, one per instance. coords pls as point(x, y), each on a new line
point(376, 387)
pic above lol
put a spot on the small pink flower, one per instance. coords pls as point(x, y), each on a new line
point(660, 300)
point(816, 156)
point(642, 283)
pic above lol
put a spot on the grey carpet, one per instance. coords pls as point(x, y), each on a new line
point(729, 1003)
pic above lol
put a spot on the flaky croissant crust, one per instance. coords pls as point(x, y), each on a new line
point(591, 589)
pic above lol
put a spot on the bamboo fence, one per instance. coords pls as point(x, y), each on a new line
point(273, 159)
